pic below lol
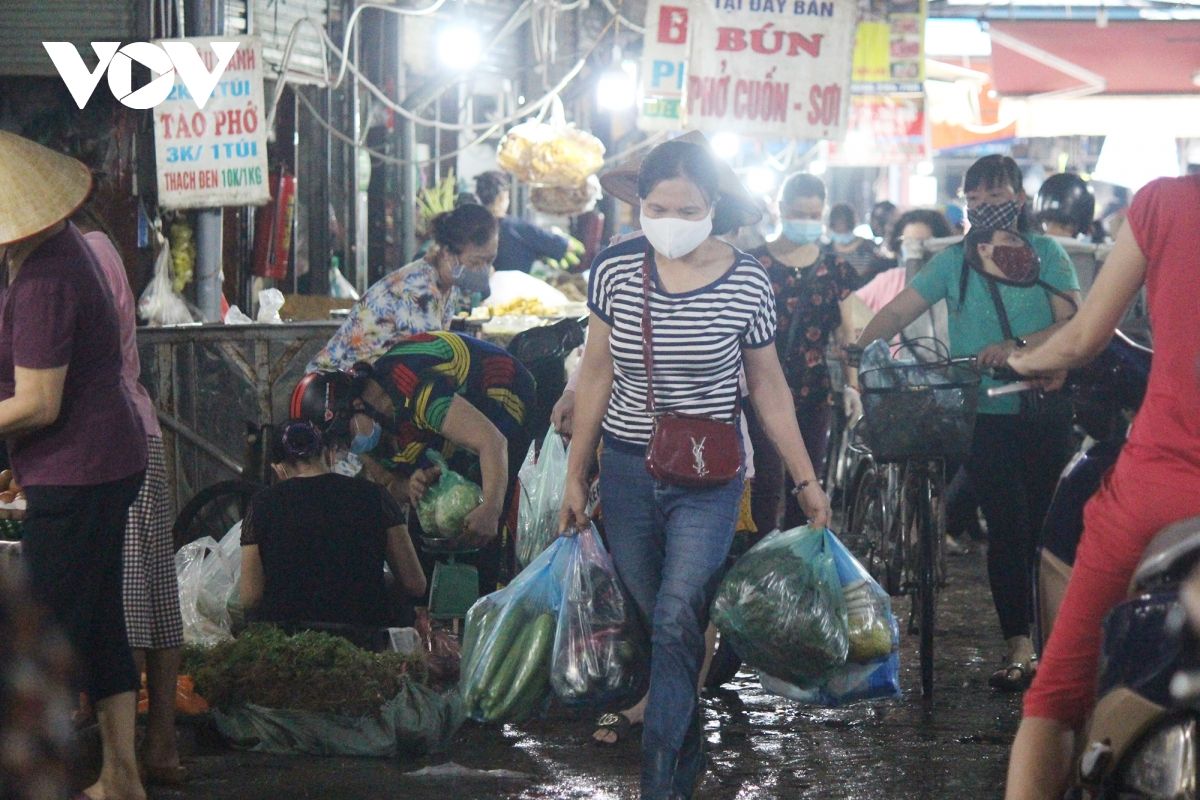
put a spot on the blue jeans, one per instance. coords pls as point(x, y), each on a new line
point(669, 546)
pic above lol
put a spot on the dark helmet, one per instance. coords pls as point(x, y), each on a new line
point(1065, 198)
point(322, 397)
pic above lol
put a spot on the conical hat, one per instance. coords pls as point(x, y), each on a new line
point(38, 187)
point(622, 182)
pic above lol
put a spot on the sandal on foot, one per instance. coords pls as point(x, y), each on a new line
point(1013, 677)
point(618, 724)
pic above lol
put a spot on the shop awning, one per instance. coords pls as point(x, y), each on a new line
point(1177, 116)
point(1122, 58)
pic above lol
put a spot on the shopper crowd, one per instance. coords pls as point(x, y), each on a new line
point(683, 326)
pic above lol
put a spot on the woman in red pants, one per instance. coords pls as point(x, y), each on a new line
point(1155, 482)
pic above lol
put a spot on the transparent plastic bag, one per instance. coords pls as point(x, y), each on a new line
point(551, 153)
point(444, 508)
point(543, 482)
point(270, 301)
point(208, 573)
point(508, 641)
point(782, 608)
point(597, 650)
point(160, 304)
point(872, 668)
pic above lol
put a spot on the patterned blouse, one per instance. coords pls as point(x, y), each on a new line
point(422, 374)
point(807, 306)
point(405, 302)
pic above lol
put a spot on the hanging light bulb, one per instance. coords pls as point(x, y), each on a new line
point(459, 47)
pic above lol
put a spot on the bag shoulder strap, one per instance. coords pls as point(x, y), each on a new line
point(648, 343)
point(647, 331)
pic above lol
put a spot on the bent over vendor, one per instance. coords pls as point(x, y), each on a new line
point(464, 397)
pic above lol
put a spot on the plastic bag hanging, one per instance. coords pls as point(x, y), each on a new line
point(543, 482)
point(508, 642)
point(872, 668)
point(160, 304)
point(445, 506)
point(552, 153)
point(782, 608)
point(598, 656)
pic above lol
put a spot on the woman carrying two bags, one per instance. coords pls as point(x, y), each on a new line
point(676, 315)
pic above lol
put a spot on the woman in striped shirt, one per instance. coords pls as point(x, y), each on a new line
point(713, 315)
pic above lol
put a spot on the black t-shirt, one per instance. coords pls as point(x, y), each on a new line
point(322, 541)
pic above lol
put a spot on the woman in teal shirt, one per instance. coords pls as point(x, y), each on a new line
point(1004, 290)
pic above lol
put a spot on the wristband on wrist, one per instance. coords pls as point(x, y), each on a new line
point(801, 486)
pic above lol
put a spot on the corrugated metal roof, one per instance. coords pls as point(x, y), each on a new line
point(25, 24)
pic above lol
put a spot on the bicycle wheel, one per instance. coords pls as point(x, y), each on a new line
point(871, 534)
point(927, 579)
point(213, 511)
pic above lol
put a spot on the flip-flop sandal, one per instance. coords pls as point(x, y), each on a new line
point(1014, 677)
point(617, 724)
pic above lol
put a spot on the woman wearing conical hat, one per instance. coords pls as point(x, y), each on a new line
point(74, 440)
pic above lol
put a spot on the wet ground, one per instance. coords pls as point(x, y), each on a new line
point(760, 746)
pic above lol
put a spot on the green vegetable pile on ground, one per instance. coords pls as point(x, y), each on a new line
point(782, 609)
point(305, 672)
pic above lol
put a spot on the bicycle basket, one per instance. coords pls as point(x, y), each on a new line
point(919, 411)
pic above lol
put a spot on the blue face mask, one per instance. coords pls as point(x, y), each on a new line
point(803, 231)
point(842, 238)
point(471, 281)
point(364, 443)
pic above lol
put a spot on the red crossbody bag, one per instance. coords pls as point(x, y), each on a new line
point(685, 449)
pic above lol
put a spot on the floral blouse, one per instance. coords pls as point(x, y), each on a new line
point(401, 304)
point(807, 306)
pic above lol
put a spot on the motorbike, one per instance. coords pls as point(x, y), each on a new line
point(1143, 737)
point(1105, 395)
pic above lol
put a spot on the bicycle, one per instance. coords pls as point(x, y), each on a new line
point(916, 416)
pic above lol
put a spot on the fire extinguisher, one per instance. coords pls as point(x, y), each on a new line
point(273, 230)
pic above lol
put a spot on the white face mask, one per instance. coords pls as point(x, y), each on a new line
point(674, 237)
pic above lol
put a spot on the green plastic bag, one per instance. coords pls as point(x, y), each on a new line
point(416, 720)
point(782, 608)
point(444, 509)
point(543, 483)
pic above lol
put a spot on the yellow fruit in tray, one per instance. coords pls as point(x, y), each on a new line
point(523, 306)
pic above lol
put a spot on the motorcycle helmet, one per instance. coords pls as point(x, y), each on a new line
point(1066, 199)
point(322, 398)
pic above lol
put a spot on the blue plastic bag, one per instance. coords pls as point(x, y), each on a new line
point(872, 667)
point(508, 641)
point(782, 607)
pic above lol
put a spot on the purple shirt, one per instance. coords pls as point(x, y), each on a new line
point(131, 366)
point(59, 312)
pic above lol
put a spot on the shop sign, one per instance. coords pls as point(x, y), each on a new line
point(883, 130)
point(776, 68)
point(889, 48)
point(215, 156)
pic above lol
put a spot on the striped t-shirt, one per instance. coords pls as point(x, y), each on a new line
point(698, 337)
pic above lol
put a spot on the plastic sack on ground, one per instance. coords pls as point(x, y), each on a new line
point(872, 668)
point(445, 506)
point(508, 641)
point(781, 607)
point(417, 720)
point(160, 304)
point(208, 573)
point(543, 482)
point(596, 648)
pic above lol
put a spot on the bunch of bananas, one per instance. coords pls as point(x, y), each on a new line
point(570, 260)
point(434, 200)
point(523, 306)
point(183, 254)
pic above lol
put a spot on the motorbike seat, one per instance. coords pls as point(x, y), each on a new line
point(1170, 555)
